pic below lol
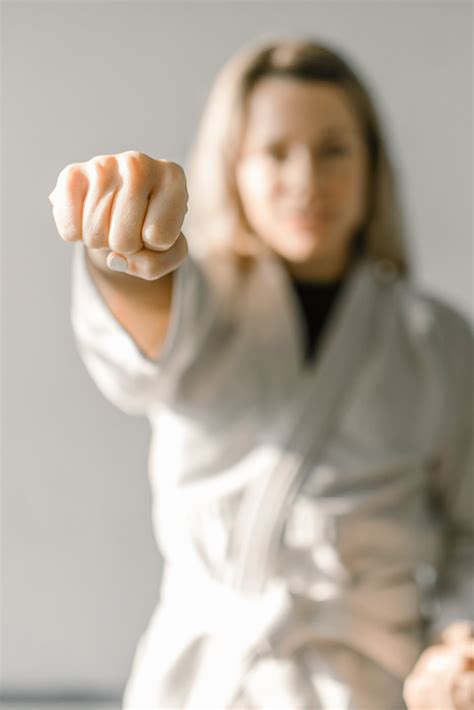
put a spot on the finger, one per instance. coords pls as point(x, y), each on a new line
point(447, 660)
point(104, 182)
point(151, 265)
point(67, 199)
point(431, 681)
point(409, 693)
point(466, 652)
point(463, 691)
point(422, 692)
point(126, 220)
point(166, 209)
point(457, 632)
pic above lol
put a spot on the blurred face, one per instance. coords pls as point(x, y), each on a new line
point(302, 174)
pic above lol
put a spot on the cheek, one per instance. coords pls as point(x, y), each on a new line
point(348, 189)
point(257, 184)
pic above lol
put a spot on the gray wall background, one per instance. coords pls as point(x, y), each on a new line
point(80, 572)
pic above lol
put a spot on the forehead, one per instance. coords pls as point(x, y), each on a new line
point(283, 107)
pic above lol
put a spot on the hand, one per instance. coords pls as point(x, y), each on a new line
point(128, 206)
point(443, 677)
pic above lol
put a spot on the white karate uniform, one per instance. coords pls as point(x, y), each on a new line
point(315, 520)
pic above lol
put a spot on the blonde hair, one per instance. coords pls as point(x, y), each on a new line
point(215, 220)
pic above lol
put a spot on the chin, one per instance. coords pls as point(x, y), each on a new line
point(304, 248)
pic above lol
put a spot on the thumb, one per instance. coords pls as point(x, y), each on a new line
point(457, 632)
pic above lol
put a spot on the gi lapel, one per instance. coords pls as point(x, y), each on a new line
point(318, 398)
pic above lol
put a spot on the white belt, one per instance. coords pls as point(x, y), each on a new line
point(235, 626)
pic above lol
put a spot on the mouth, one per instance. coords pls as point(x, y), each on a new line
point(308, 220)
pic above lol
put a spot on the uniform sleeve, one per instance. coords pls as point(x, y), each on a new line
point(122, 372)
point(456, 481)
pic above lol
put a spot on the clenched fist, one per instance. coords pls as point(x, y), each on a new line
point(128, 210)
point(443, 677)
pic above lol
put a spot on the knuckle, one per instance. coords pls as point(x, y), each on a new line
point(105, 163)
point(100, 174)
point(175, 174)
point(70, 175)
point(133, 154)
point(175, 169)
point(107, 160)
point(135, 170)
point(171, 177)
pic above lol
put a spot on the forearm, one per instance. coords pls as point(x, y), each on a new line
point(142, 307)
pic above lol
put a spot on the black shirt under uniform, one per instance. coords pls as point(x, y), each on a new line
point(316, 300)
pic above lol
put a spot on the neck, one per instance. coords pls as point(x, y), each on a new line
point(319, 271)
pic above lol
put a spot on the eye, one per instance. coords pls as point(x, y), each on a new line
point(335, 150)
point(277, 152)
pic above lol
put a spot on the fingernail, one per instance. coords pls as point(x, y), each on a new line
point(117, 263)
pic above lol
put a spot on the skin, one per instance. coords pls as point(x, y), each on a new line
point(302, 174)
point(443, 676)
point(127, 209)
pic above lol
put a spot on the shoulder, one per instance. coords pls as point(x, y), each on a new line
point(453, 336)
point(441, 342)
point(452, 328)
point(435, 336)
point(445, 335)
point(428, 315)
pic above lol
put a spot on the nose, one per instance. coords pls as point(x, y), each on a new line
point(304, 175)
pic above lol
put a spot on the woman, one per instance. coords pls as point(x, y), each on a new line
point(310, 410)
